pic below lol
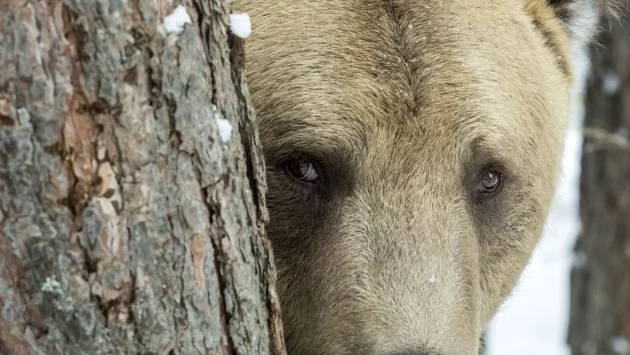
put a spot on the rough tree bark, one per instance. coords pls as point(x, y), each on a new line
point(129, 222)
point(600, 279)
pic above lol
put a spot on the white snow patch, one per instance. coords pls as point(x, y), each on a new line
point(579, 260)
point(432, 279)
point(610, 83)
point(174, 23)
point(620, 345)
point(225, 128)
point(534, 319)
point(241, 25)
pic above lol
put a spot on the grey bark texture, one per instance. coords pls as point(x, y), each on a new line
point(129, 222)
point(600, 279)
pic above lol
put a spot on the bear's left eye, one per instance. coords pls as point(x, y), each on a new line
point(303, 170)
point(490, 183)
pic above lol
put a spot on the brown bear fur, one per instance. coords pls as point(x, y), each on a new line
point(402, 107)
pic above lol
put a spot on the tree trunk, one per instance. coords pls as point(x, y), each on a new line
point(600, 279)
point(131, 215)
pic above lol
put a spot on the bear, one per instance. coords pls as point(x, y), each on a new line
point(412, 150)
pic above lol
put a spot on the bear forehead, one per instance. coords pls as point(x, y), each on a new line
point(404, 71)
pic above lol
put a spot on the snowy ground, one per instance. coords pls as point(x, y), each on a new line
point(534, 319)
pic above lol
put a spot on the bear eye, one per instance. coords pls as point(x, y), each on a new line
point(490, 183)
point(302, 170)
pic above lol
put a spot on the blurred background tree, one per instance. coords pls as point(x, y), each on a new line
point(600, 280)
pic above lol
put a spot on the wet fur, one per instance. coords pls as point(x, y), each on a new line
point(402, 105)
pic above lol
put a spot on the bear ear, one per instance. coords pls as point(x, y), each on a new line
point(580, 17)
point(564, 23)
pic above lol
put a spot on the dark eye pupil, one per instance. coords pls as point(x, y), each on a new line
point(491, 182)
point(303, 170)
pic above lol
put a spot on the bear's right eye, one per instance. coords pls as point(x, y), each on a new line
point(490, 183)
point(302, 170)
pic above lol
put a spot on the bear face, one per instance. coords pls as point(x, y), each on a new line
point(412, 152)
